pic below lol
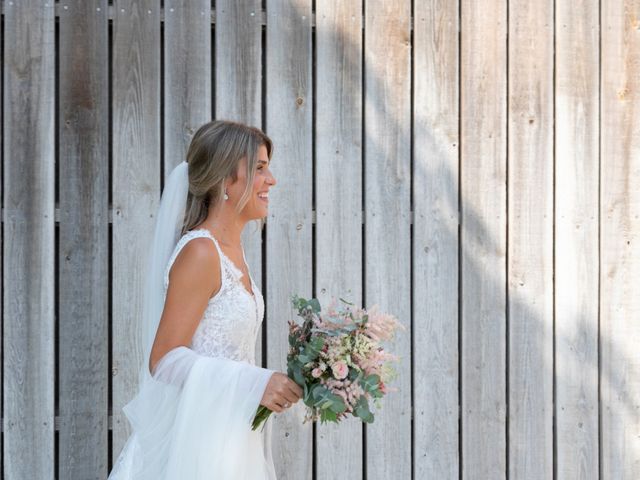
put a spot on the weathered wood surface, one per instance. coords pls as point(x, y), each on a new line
point(620, 239)
point(136, 190)
point(338, 187)
point(435, 239)
point(289, 239)
point(187, 76)
point(576, 240)
point(83, 252)
point(530, 241)
point(387, 233)
point(449, 179)
point(28, 333)
point(483, 249)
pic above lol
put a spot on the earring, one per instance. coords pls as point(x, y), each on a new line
point(226, 197)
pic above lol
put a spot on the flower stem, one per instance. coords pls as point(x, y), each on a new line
point(262, 414)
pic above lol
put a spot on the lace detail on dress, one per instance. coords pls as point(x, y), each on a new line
point(230, 323)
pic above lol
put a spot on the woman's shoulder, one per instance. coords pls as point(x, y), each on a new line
point(195, 254)
point(197, 247)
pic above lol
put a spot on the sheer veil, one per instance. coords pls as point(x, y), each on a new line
point(169, 222)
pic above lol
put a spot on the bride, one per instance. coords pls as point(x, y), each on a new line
point(199, 384)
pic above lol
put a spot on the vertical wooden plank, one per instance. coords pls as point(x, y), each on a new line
point(530, 233)
point(620, 239)
point(576, 242)
point(136, 189)
point(28, 255)
point(238, 56)
point(1, 242)
point(238, 94)
point(289, 238)
point(84, 240)
point(187, 75)
point(387, 183)
point(338, 186)
point(483, 228)
point(435, 241)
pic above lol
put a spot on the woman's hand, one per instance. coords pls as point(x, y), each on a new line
point(281, 393)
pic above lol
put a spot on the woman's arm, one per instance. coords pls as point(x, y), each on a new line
point(194, 278)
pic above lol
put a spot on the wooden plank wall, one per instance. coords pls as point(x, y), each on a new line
point(83, 246)
point(136, 154)
point(471, 167)
point(387, 216)
point(576, 240)
point(29, 246)
point(338, 200)
point(289, 104)
point(483, 239)
point(620, 239)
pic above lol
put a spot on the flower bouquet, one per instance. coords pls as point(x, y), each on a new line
point(336, 357)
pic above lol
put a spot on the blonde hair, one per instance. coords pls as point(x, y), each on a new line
point(214, 154)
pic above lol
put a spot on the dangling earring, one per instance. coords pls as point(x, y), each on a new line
point(226, 197)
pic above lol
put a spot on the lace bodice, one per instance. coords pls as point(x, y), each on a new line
point(230, 323)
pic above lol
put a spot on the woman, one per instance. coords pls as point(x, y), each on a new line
point(199, 385)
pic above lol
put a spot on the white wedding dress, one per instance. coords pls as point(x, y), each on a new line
point(192, 421)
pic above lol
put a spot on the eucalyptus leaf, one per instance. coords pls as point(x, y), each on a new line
point(362, 410)
point(314, 304)
point(338, 405)
point(370, 382)
point(328, 416)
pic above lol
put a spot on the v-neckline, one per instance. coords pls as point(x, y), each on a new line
point(251, 282)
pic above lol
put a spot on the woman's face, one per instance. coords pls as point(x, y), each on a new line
point(257, 206)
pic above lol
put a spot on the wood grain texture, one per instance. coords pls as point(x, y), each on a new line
point(428, 125)
point(187, 75)
point(620, 239)
point(29, 240)
point(435, 239)
point(530, 245)
point(84, 241)
point(387, 184)
point(338, 186)
point(136, 190)
point(238, 97)
point(576, 240)
point(289, 237)
point(483, 243)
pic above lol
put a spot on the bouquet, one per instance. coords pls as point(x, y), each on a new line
point(336, 357)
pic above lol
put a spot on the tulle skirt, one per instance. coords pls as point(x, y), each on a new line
point(192, 421)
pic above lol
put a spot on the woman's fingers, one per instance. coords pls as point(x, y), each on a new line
point(289, 396)
point(295, 388)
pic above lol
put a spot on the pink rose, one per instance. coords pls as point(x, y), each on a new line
point(316, 372)
point(340, 370)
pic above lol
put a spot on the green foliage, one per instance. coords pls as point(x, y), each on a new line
point(362, 410)
point(370, 382)
point(302, 304)
point(294, 371)
point(312, 350)
point(323, 399)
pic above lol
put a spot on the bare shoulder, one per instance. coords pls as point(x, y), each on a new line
point(198, 263)
point(193, 278)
